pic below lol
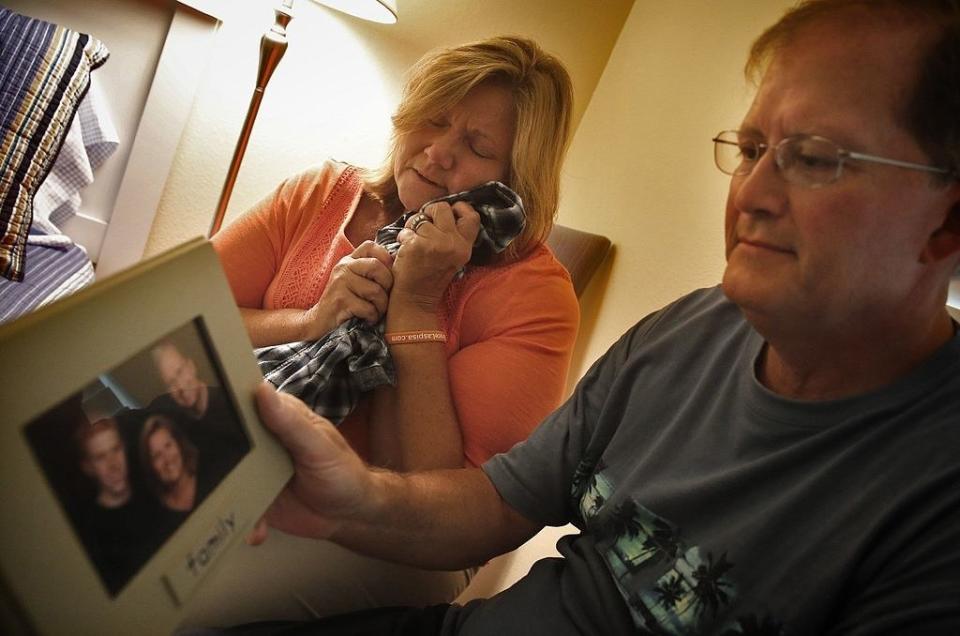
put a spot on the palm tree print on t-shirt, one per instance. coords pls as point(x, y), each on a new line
point(669, 587)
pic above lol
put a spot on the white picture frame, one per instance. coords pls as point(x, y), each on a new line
point(53, 580)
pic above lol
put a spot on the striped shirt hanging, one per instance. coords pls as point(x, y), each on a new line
point(44, 73)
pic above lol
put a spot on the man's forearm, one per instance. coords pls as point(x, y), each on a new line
point(443, 519)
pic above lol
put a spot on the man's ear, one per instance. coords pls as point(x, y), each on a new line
point(945, 241)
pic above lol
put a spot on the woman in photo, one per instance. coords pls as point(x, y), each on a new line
point(170, 462)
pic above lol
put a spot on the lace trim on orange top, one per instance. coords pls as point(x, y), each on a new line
point(300, 283)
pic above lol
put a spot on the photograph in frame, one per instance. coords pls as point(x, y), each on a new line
point(138, 448)
point(134, 460)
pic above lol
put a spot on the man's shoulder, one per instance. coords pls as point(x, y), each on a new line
point(703, 302)
point(703, 314)
point(701, 324)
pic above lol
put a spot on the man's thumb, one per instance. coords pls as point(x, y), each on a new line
point(288, 418)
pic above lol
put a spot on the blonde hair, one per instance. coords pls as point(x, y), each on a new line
point(543, 98)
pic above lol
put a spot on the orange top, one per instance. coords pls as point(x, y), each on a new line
point(510, 328)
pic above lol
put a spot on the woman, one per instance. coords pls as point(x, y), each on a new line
point(303, 261)
point(170, 464)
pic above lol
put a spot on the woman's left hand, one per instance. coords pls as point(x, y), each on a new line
point(433, 247)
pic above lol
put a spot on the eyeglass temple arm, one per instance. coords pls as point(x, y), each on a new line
point(863, 157)
point(895, 162)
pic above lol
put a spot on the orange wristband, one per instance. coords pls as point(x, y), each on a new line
point(406, 337)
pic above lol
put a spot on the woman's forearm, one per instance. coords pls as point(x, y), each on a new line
point(357, 287)
point(275, 326)
point(414, 426)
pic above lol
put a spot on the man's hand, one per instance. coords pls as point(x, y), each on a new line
point(330, 482)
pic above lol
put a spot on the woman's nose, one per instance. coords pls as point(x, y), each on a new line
point(442, 150)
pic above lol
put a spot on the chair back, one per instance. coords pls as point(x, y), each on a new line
point(581, 253)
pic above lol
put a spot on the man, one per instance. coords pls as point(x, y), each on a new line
point(775, 456)
point(117, 527)
point(203, 411)
point(179, 374)
point(103, 458)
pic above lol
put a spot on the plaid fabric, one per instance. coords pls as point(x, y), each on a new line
point(44, 73)
point(332, 373)
point(56, 268)
point(501, 218)
point(91, 139)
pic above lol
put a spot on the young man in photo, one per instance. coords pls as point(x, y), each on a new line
point(119, 526)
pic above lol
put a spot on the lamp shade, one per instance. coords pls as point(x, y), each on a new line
point(383, 11)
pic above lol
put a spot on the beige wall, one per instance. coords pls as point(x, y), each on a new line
point(333, 92)
point(640, 169)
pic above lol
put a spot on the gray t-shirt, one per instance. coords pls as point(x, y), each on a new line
point(709, 505)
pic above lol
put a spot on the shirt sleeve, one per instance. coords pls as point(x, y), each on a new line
point(538, 477)
point(519, 331)
point(253, 247)
point(535, 477)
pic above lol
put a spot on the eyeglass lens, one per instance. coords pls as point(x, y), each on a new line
point(803, 160)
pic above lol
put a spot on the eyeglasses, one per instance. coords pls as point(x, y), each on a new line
point(806, 160)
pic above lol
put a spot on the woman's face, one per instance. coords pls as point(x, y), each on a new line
point(165, 456)
point(465, 147)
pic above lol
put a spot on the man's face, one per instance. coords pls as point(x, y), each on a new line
point(106, 461)
point(179, 374)
point(830, 256)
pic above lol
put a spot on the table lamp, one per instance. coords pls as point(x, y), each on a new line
point(273, 45)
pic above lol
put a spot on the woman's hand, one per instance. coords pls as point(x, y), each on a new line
point(359, 286)
point(432, 252)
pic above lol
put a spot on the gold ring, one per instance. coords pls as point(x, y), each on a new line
point(419, 220)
